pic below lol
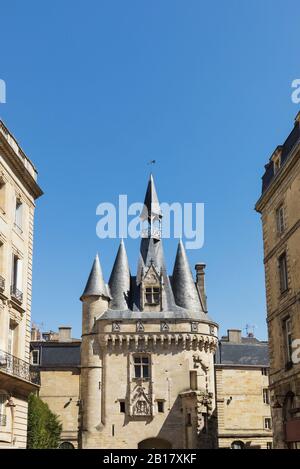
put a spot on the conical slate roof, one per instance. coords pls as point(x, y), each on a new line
point(179, 295)
point(95, 285)
point(119, 282)
point(151, 204)
point(183, 284)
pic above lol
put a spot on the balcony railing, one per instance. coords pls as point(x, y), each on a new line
point(2, 283)
point(16, 294)
point(19, 368)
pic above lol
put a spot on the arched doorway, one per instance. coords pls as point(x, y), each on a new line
point(154, 443)
point(237, 444)
point(66, 445)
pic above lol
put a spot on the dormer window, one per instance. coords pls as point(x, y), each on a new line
point(152, 296)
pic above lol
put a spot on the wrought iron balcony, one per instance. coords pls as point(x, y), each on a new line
point(16, 294)
point(19, 368)
point(2, 283)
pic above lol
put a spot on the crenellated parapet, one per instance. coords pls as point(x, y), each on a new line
point(150, 342)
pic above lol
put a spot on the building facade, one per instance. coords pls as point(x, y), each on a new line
point(279, 206)
point(56, 357)
point(242, 391)
point(18, 192)
point(147, 373)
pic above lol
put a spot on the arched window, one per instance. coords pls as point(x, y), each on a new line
point(66, 445)
point(3, 401)
point(237, 444)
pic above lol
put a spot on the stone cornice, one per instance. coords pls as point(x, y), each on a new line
point(19, 162)
point(291, 161)
point(137, 341)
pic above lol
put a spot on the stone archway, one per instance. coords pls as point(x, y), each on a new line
point(154, 443)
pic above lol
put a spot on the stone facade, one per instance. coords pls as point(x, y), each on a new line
point(18, 191)
point(147, 375)
point(56, 356)
point(279, 206)
point(243, 402)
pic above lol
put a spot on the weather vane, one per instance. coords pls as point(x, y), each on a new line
point(151, 162)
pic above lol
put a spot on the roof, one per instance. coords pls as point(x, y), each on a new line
point(286, 150)
point(245, 353)
point(119, 282)
point(95, 285)
point(58, 354)
point(179, 296)
point(23, 166)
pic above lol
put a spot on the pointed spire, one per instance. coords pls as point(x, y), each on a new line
point(183, 284)
point(119, 282)
point(95, 285)
point(151, 207)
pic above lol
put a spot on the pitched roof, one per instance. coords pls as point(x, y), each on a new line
point(186, 305)
point(119, 282)
point(254, 354)
point(183, 284)
point(95, 285)
point(151, 204)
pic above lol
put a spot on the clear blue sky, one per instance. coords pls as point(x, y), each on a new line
point(95, 89)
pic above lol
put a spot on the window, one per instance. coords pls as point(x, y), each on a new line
point(264, 371)
point(267, 423)
point(141, 366)
point(16, 278)
point(193, 380)
point(122, 407)
point(2, 195)
point(283, 273)
point(35, 357)
point(2, 279)
point(269, 445)
point(280, 219)
point(10, 339)
point(18, 213)
point(266, 396)
point(3, 399)
point(152, 295)
point(287, 326)
point(160, 406)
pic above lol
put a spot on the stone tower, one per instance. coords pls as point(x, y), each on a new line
point(147, 376)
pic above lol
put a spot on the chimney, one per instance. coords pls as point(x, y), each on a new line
point(65, 334)
point(235, 336)
point(34, 333)
point(200, 283)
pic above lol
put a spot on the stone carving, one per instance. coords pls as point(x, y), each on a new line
point(141, 402)
point(198, 361)
point(140, 326)
point(116, 327)
point(204, 408)
point(194, 327)
point(164, 326)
